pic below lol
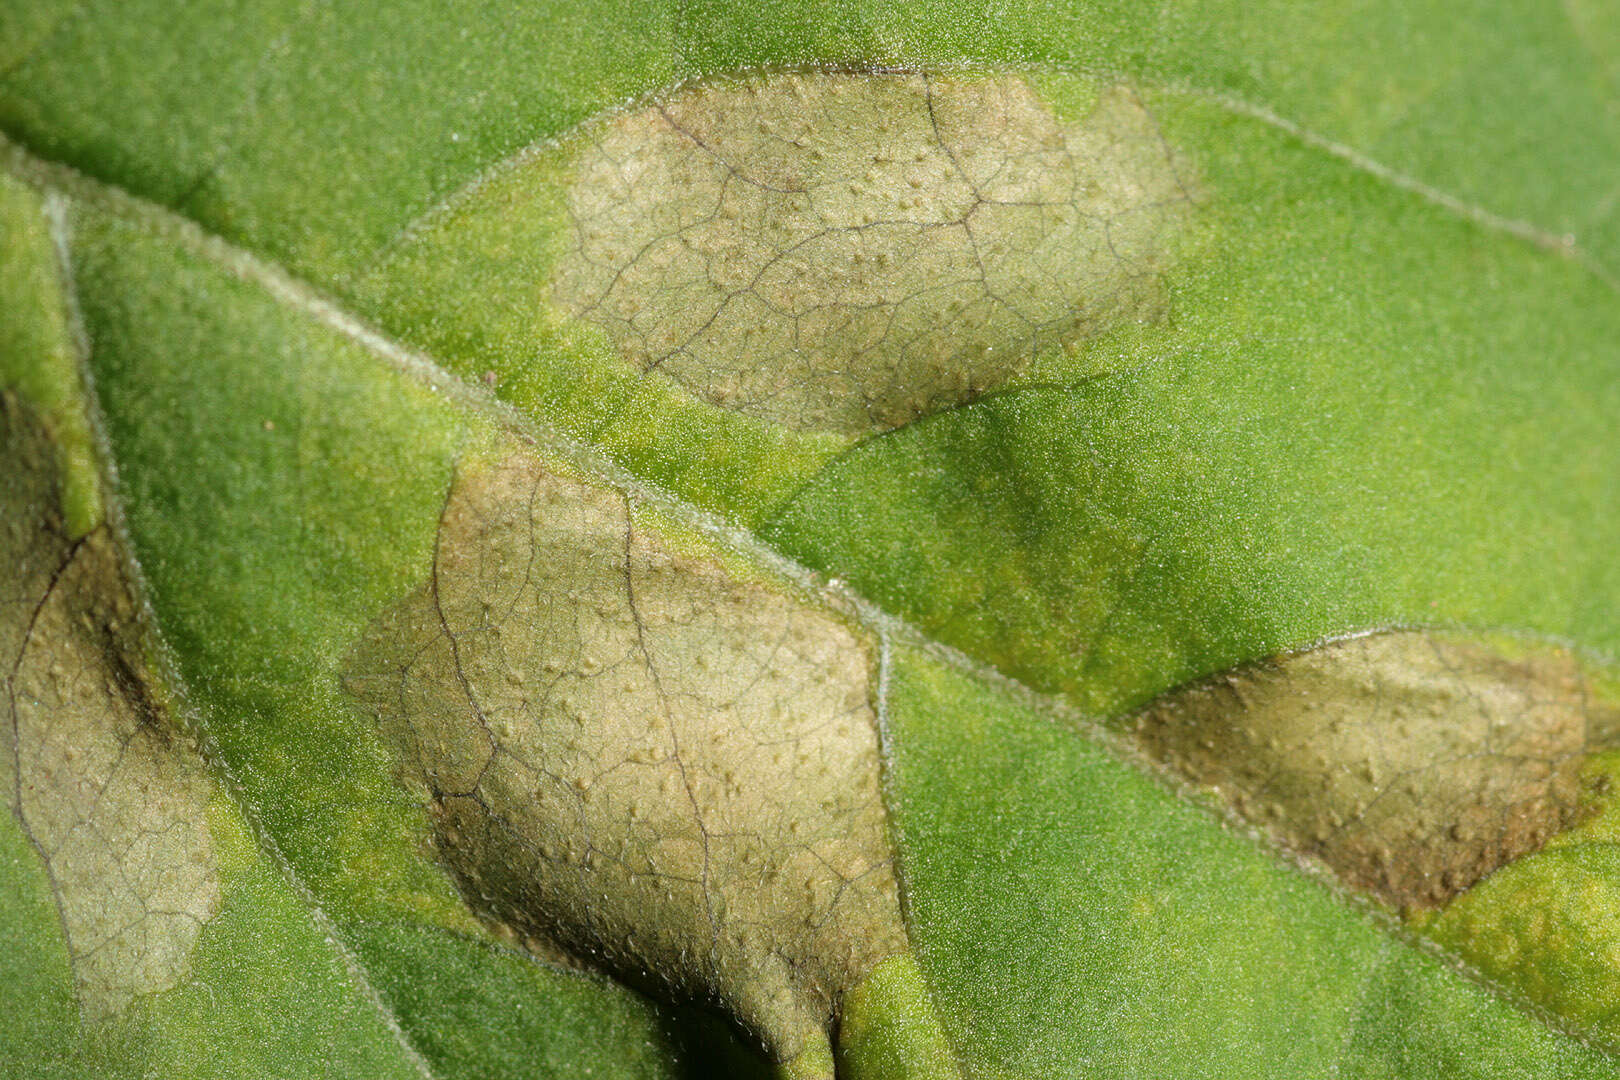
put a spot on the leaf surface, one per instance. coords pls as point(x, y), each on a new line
point(1348, 364)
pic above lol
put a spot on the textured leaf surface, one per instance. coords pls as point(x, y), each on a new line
point(611, 727)
point(329, 273)
point(847, 252)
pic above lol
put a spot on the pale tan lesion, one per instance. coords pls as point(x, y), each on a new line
point(851, 251)
point(1411, 763)
point(114, 799)
point(639, 755)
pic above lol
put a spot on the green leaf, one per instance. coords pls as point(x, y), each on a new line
point(898, 539)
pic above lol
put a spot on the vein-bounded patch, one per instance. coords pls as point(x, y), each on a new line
point(1412, 764)
point(113, 798)
point(635, 755)
point(849, 252)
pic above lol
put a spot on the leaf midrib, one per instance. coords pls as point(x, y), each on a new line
point(57, 202)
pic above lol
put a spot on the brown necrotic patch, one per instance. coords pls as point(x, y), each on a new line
point(849, 252)
point(113, 798)
point(1412, 764)
point(634, 754)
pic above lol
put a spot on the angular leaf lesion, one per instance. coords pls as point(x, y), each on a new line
point(1412, 764)
point(112, 796)
point(849, 251)
point(639, 754)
